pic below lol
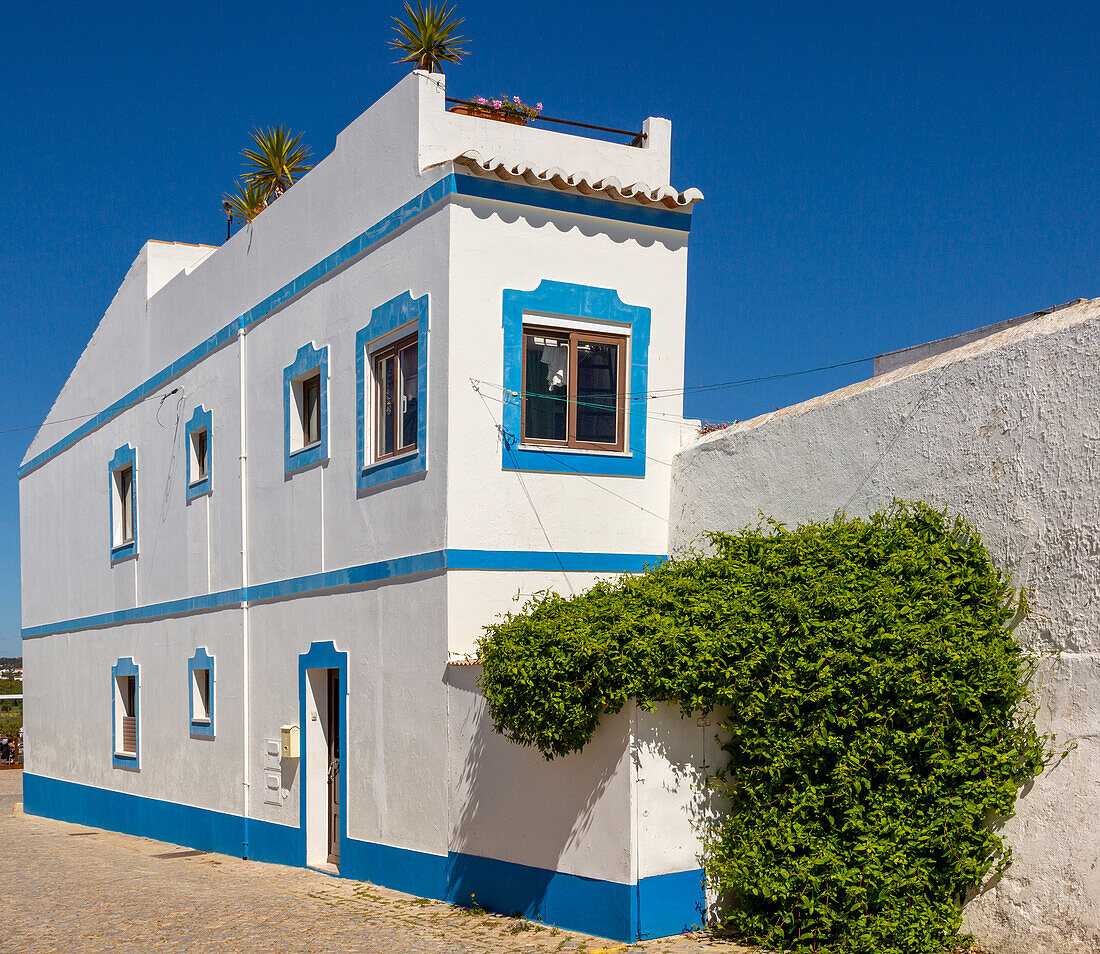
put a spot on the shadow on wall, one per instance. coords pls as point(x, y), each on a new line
point(516, 805)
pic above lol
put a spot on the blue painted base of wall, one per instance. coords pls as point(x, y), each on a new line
point(654, 907)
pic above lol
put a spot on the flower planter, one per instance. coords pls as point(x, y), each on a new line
point(464, 109)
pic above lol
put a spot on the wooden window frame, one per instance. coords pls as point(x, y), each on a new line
point(202, 466)
point(393, 349)
point(308, 382)
point(575, 335)
point(124, 487)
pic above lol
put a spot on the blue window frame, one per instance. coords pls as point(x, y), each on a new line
point(200, 693)
point(556, 301)
point(410, 315)
point(200, 454)
point(125, 714)
point(305, 409)
point(123, 508)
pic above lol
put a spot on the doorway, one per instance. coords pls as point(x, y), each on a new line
point(323, 765)
point(333, 737)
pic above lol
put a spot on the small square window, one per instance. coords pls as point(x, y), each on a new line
point(573, 389)
point(396, 383)
point(201, 697)
point(199, 450)
point(124, 498)
point(305, 409)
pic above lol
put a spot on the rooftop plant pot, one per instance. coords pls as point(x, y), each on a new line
point(485, 112)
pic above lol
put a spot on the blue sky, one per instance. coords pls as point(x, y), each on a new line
point(876, 174)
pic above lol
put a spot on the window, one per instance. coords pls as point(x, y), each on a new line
point(305, 406)
point(391, 393)
point(199, 461)
point(124, 678)
point(575, 376)
point(200, 690)
point(198, 449)
point(573, 389)
point(396, 385)
point(123, 494)
point(311, 410)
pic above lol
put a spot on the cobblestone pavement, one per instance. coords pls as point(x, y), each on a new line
point(67, 888)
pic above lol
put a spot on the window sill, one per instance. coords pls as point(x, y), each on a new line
point(404, 455)
point(126, 755)
point(198, 483)
point(201, 722)
point(306, 448)
point(124, 551)
point(554, 449)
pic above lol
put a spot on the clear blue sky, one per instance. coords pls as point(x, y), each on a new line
point(876, 174)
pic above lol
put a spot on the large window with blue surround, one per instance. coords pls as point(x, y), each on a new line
point(305, 409)
point(200, 448)
point(391, 391)
point(200, 693)
point(576, 369)
point(125, 714)
point(122, 493)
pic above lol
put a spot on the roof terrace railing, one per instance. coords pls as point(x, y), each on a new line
point(637, 139)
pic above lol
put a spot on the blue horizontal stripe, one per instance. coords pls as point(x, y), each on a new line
point(443, 189)
point(433, 561)
point(653, 907)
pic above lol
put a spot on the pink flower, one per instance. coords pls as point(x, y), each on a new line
point(538, 106)
point(497, 104)
point(515, 99)
point(482, 101)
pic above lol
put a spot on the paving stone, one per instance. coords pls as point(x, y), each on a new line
point(70, 888)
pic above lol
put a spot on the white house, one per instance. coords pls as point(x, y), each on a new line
point(309, 465)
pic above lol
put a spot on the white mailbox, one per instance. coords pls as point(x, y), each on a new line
point(290, 742)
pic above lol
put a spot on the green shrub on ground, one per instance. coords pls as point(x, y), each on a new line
point(876, 716)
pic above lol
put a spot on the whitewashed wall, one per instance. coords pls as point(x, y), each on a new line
point(1005, 432)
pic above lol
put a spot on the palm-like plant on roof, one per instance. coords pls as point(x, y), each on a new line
point(427, 36)
point(246, 203)
point(275, 160)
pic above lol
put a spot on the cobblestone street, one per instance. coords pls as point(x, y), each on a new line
point(67, 888)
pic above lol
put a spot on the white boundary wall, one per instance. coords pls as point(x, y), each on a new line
point(1004, 431)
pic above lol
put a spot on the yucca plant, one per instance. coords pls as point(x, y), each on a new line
point(246, 203)
point(427, 36)
point(275, 161)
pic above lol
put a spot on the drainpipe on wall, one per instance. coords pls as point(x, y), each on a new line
point(244, 590)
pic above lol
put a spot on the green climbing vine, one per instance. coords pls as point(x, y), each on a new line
point(873, 705)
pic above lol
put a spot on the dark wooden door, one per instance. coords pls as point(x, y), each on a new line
point(334, 766)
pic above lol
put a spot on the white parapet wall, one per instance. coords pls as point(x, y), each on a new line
point(1005, 432)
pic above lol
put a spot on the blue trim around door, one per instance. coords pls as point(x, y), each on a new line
point(322, 656)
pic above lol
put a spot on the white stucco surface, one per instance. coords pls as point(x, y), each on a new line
point(424, 769)
point(1005, 432)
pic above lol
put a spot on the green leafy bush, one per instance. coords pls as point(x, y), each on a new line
point(875, 714)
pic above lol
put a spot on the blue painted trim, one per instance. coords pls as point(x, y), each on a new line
point(384, 319)
point(202, 418)
point(125, 667)
point(323, 656)
point(601, 208)
point(123, 456)
point(433, 561)
point(574, 301)
point(654, 907)
point(201, 660)
point(442, 190)
point(307, 360)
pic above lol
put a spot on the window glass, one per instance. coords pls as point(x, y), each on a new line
point(546, 383)
point(311, 410)
point(128, 692)
point(126, 501)
point(200, 455)
point(408, 396)
point(386, 372)
point(597, 391)
point(202, 694)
